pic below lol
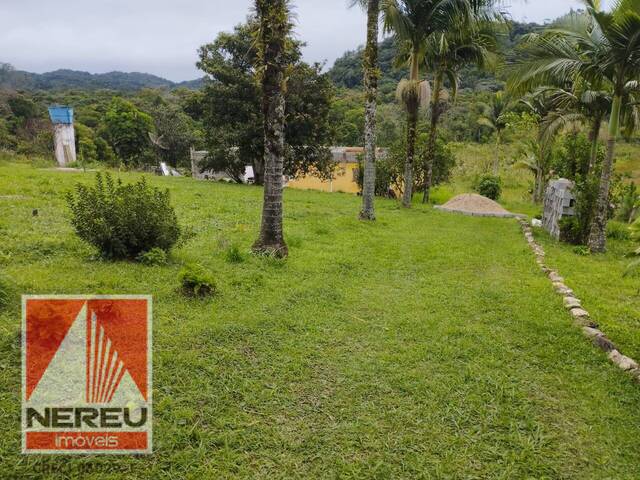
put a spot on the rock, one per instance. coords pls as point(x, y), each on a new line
point(554, 277)
point(579, 313)
point(624, 362)
point(604, 343)
point(571, 302)
point(536, 223)
point(585, 322)
point(592, 332)
point(562, 289)
point(635, 373)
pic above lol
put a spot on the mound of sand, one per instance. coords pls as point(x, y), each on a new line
point(475, 205)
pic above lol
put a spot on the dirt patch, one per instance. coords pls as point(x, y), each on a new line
point(475, 205)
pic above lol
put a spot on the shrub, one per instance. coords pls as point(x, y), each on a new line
point(618, 231)
point(489, 186)
point(195, 281)
point(628, 202)
point(234, 255)
point(154, 257)
point(582, 250)
point(570, 230)
point(390, 167)
point(123, 221)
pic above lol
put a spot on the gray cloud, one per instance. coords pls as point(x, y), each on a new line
point(162, 36)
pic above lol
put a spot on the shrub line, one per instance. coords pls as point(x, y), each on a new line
point(581, 317)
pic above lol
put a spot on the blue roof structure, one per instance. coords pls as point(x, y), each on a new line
point(61, 115)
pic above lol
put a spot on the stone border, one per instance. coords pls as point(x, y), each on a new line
point(580, 316)
point(478, 214)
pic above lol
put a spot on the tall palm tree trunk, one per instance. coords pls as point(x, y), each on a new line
point(371, 95)
point(597, 237)
point(413, 106)
point(412, 127)
point(594, 137)
point(496, 160)
point(274, 28)
point(538, 190)
point(258, 171)
point(433, 136)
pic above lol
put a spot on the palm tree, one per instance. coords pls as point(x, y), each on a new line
point(578, 104)
point(412, 23)
point(446, 54)
point(571, 98)
point(494, 117)
point(619, 62)
point(274, 29)
point(537, 158)
point(371, 74)
point(602, 48)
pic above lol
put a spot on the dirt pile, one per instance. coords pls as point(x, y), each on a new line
point(475, 205)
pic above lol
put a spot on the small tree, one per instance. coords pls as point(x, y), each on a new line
point(494, 117)
point(127, 130)
point(231, 107)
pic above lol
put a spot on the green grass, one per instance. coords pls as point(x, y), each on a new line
point(628, 160)
point(612, 299)
point(426, 345)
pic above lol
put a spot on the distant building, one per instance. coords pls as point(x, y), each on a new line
point(64, 134)
point(198, 156)
point(345, 177)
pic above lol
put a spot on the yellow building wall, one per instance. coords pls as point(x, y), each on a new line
point(345, 180)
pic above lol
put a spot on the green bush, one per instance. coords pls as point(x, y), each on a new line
point(154, 257)
point(390, 168)
point(581, 250)
point(489, 186)
point(234, 255)
point(571, 230)
point(628, 202)
point(195, 281)
point(618, 231)
point(123, 221)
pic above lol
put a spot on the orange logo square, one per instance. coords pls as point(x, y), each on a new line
point(86, 374)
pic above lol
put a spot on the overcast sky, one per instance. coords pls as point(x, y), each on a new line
point(162, 36)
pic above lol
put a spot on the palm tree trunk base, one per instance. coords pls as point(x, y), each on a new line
point(275, 250)
point(367, 216)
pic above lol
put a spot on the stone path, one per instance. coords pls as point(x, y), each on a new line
point(581, 317)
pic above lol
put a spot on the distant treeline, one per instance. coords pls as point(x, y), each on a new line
point(76, 80)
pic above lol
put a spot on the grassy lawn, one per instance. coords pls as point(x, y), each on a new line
point(612, 299)
point(427, 345)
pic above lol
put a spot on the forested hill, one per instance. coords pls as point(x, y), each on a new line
point(347, 70)
point(76, 80)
